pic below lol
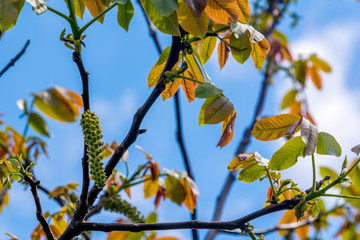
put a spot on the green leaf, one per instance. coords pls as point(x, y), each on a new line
point(207, 46)
point(166, 24)
point(206, 90)
point(125, 14)
point(272, 128)
point(152, 218)
point(300, 71)
point(218, 110)
point(120, 1)
point(79, 8)
point(287, 155)
point(38, 6)
point(324, 171)
point(240, 47)
point(242, 161)
point(251, 173)
point(38, 124)
point(202, 109)
point(309, 134)
point(10, 10)
point(288, 99)
point(175, 189)
point(327, 145)
point(165, 7)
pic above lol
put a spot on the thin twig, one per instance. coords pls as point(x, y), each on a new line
point(17, 57)
point(39, 215)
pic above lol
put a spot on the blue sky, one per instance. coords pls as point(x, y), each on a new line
point(119, 62)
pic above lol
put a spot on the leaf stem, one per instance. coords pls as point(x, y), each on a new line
point(60, 14)
point(252, 236)
point(187, 78)
point(271, 182)
point(81, 30)
point(341, 196)
point(314, 173)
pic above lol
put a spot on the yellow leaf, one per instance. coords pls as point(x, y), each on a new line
point(207, 46)
point(38, 233)
point(221, 11)
point(227, 130)
point(320, 64)
point(79, 8)
point(245, 11)
point(295, 108)
point(288, 217)
point(170, 89)
point(259, 52)
point(315, 77)
point(150, 187)
point(194, 68)
point(55, 230)
point(77, 99)
point(194, 25)
point(190, 197)
point(218, 110)
point(241, 161)
point(223, 53)
point(95, 7)
point(188, 88)
point(272, 128)
point(117, 235)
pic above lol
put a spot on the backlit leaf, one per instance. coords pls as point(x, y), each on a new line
point(58, 104)
point(223, 53)
point(240, 47)
point(197, 5)
point(171, 88)
point(10, 10)
point(202, 109)
point(206, 90)
point(165, 7)
point(95, 7)
point(272, 128)
point(151, 218)
point(166, 24)
point(251, 173)
point(175, 189)
point(125, 14)
point(320, 64)
point(38, 124)
point(245, 11)
point(315, 77)
point(300, 70)
point(189, 88)
point(193, 24)
point(227, 130)
point(38, 6)
point(194, 68)
point(79, 8)
point(324, 171)
point(328, 145)
point(221, 11)
point(150, 187)
point(242, 161)
point(157, 69)
point(207, 46)
point(218, 110)
point(287, 155)
point(259, 52)
point(309, 135)
point(190, 195)
point(288, 99)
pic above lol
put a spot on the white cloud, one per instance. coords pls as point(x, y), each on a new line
point(335, 108)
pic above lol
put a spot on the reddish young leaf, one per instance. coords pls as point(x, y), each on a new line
point(223, 53)
point(189, 89)
point(315, 77)
point(227, 130)
point(171, 88)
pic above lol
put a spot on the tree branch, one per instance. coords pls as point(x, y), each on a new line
point(17, 57)
point(39, 215)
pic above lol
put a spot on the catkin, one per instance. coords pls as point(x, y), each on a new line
point(115, 204)
point(92, 134)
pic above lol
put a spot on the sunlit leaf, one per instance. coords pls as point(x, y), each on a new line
point(201, 118)
point(251, 173)
point(125, 14)
point(287, 155)
point(79, 8)
point(171, 88)
point(221, 11)
point(190, 193)
point(188, 87)
point(218, 110)
point(327, 145)
point(242, 161)
point(227, 130)
point(223, 53)
point(194, 68)
point(197, 5)
point(288, 99)
point(240, 47)
point(320, 64)
point(150, 187)
point(309, 135)
point(259, 52)
point(207, 46)
point(157, 69)
point(240, 30)
point(38, 124)
point(166, 24)
point(175, 189)
point(10, 10)
point(95, 7)
point(193, 24)
point(245, 11)
point(272, 128)
point(261, 161)
point(315, 77)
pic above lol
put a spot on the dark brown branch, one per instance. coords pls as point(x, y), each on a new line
point(73, 228)
point(39, 215)
point(17, 57)
point(83, 204)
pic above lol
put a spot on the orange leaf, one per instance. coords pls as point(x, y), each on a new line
point(193, 24)
point(221, 11)
point(170, 89)
point(190, 197)
point(95, 7)
point(194, 68)
point(150, 187)
point(223, 53)
point(245, 11)
point(227, 130)
point(303, 232)
point(259, 52)
point(295, 108)
point(188, 88)
point(315, 77)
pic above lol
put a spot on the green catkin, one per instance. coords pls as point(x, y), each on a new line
point(115, 204)
point(92, 134)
